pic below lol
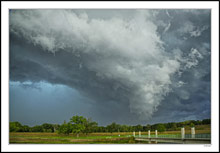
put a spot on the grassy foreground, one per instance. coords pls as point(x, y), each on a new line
point(92, 138)
point(54, 138)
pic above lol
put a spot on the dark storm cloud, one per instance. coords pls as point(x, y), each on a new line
point(152, 64)
point(34, 64)
point(188, 29)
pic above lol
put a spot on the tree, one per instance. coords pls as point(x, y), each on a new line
point(124, 128)
point(198, 122)
point(130, 128)
point(113, 127)
point(25, 128)
point(90, 126)
point(173, 126)
point(15, 127)
point(37, 128)
point(101, 129)
point(65, 128)
point(77, 128)
point(56, 127)
point(78, 124)
point(78, 120)
point(192, 125)
point(48, 127)
point(161, 128)
point(206, 121)
point(138, 127)
point(148, 127)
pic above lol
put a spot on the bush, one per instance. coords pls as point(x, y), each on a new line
point(65, 128)
point(161, 128)
point(37, 128)
point(15, 127)
point(48, 127)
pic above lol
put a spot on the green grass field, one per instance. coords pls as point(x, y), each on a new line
point(92, 138)
point(54, 138)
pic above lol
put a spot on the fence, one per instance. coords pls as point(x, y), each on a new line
point(177, 136)
point(180, 135)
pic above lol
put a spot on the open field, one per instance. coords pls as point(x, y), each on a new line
point(92, 138)
point(54, 138)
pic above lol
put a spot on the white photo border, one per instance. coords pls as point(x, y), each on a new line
point(110, 5)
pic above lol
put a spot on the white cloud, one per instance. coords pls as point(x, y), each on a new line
point(193, 58)
point(180, 84)
point(167, 27)
point(168, 14)
point(187, 27)
point(193, 31)
point(198, 31)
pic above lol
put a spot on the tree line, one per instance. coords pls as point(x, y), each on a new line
point(79, 124)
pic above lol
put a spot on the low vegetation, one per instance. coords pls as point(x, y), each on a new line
point(55, 138)
point(82, 130)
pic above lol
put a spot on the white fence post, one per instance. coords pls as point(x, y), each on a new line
point(156, 133)
point(139, 133)
point(134, 133)
point(182, 133)
point(148, 133)
point(193, 132)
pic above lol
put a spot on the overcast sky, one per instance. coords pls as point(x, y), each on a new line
point(124, 66)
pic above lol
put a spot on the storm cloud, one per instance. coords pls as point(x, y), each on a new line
point(152, 64)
